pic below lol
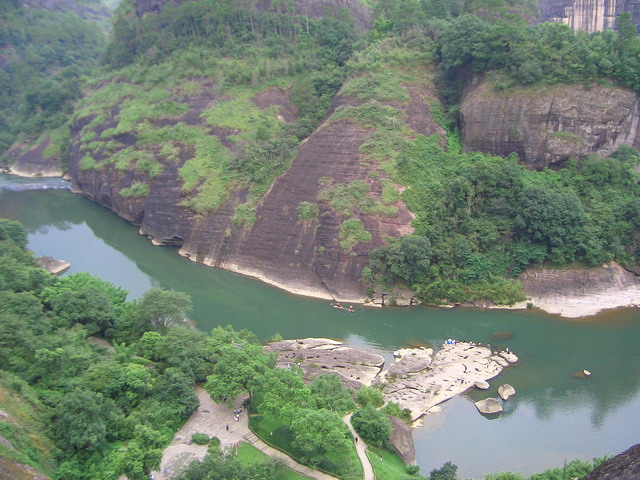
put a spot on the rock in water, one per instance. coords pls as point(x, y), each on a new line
point(489, 406)
point(506, 391)
point(501, 335)
point(582, 374)
point(509, 357)
point(482, 385)
point(53, 265)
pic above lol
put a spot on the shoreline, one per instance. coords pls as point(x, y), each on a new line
point(566, 306)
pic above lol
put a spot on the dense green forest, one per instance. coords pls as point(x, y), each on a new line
point(45, 54)
point(95, 386)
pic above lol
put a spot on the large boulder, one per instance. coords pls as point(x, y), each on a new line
point(489, 406)
point(546, 125)
point(506, 391)
point(402, 440)
point(321, 355)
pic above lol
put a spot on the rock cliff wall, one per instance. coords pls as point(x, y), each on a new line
point(547, 125)
point(579, 292)
point(306, 256)
point(588, 15)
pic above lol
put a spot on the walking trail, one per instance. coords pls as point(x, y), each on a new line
point(213, 418)
point(361, 448)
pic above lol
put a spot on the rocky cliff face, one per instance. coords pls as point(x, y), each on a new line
point(624, 466)
point(306, 256)
point(588, 15)
point(547, 125)
point(579, 292)
point(35, 160)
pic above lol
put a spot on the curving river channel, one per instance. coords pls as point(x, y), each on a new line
point(553, 417)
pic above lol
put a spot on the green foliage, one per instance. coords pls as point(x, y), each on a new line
point(79, 281)
point(140, 189)
point(372, 425)
point(78, 423)
point(573, 469)
point(47, 52)
point(200, 438)
point(448, 471)
point(307, 210)
point(406, 260)
point(88, 306)
point(352, 232)
point(161, 309)
point(239, 367)
point(546, 53)
point(282, 393)
point(481, 220)
point(13, 232)
point(393, 409)
point(318, 433)
point(327, 392)
point(217, 466)
point(552, 218)
point(245, 215)
point(381, 85)
point(369, 397)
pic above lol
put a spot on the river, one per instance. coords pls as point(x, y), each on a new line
point(554, 416)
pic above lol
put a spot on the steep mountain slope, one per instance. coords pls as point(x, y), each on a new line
point(202, 157)
point(46, 46)
point(545, 125)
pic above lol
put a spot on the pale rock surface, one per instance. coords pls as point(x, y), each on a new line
point(321, 355)
point(509, 357)
point(506, 391)
point(489, 406)
point(453, 370)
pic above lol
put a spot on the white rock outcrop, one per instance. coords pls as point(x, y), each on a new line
point(489, 406)
point(506, 391)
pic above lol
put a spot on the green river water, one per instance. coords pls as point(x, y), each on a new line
point(553, 417)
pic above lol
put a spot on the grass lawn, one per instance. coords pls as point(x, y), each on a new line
point(390, 468)
point(249, 454)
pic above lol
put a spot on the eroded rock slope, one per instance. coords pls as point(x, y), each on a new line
point(337, 172)
point(547, 125)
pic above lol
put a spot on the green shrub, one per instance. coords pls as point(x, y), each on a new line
point(139, 189)
point(372, 425)
point(352, 232)
point(307, 210)
point(200, 438)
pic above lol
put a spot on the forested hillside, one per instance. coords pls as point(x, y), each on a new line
point(46, 48)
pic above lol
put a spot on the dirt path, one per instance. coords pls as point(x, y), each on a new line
point(361, 448)
point(213, 419)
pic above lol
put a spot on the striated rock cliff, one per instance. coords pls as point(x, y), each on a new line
point(305, 256)
point(547, 125)
point(580, 292)
point(588, 15)
point(624, 466)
